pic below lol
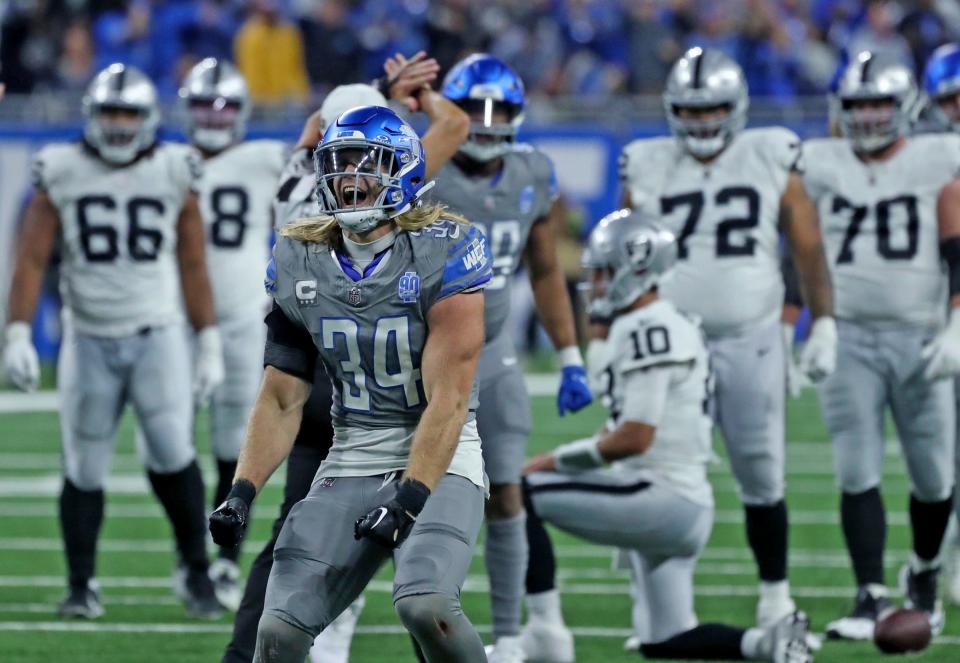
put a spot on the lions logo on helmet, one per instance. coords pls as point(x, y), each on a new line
point(942, 85)
point(121, 112)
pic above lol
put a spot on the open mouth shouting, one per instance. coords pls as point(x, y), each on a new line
point(356, 191)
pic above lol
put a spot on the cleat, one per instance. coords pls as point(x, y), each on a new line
point(786, 641)
point(201, 599)
point(546, 641)
point(332, 645)
point(920, 593)
point(81, 602)
point(870, 604)
point(225, 575)
point(507, 649)
point(633, 644)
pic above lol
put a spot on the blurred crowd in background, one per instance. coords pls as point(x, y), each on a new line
point(290, 50)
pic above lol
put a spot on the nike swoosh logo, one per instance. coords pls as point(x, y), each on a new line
point(383, 514)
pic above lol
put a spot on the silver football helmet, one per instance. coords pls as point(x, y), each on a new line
point(706, 79)
point(892, 89)
point(215, 103)
point(344, 97)
point(628, 253)
point(121, 112)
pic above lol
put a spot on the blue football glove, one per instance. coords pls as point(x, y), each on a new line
point(574, 391)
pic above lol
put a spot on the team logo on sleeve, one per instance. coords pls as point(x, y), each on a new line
point(306, 292)
point(408, 288)
point(526, 199)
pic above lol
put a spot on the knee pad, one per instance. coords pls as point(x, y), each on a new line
point(427, 615)
point(280, 642)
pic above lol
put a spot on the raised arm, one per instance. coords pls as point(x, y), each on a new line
point(35, 242)
point(449, 127)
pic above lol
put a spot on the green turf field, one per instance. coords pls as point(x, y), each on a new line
point(145, 623)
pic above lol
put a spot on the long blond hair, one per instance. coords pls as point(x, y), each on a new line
point(325, 230)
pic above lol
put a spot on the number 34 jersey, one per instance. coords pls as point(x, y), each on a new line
point(725, 216)
point(118, 228)
point(880, 227)
point(506, 206)
point(236, 197)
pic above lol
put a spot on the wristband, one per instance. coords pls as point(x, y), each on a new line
point(243, 490)
point(578, 456)
point(412, 495)
point(570, 356)
point(17, 331)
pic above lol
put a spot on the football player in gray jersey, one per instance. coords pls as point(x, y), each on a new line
point(888, 205)
point(385, 293)
point(295, 199)
point(641, 482)
point(125, 210)
point(509, 190)
point(728, 193)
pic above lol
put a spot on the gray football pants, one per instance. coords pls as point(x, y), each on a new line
point(319, 569)
point(98, 376)
point(876, 370)
point(749, 409)
point(504, 420)
point(663, 531)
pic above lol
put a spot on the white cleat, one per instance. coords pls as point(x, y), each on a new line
point(771, 610)
point(547, 642)
point(786, 641)
point(333, 643)
point(225, 575)
point(870, 605)
point(507, 649)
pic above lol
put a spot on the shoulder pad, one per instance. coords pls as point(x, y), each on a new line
point(661, 337)
point(51, 160)
point(459, 252)
point(542, 171)
point(781, 147)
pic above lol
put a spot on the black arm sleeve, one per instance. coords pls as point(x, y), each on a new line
point(289, 347)
point(791, 282)
point(950, 250)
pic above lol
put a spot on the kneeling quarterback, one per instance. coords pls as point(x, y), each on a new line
point(654, 500)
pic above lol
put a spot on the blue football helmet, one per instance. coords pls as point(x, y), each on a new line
point(482, 84)
point(941, 80)
point(370, 168)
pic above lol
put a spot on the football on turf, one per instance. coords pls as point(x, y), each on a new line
point(903, 630)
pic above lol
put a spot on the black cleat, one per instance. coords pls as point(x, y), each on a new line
point(870, 605)
point(920, 593)
point(200, 599)
point(81, 602)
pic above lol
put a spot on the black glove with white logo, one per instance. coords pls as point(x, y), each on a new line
point(228, 522)
point(390, 524)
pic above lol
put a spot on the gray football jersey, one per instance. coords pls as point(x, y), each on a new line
point(725, 215)
point(118, 227)
point(881, 230)
point(506, 206)
point(370, 333)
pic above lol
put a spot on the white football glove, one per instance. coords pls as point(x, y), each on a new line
point(942, 354)
point(819, 355)
point(796, 380)
point(209, 370)
point(20, 361)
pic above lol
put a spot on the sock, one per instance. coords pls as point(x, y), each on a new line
point(776, 592)
point(767, 535)
point(708, 642)
point(225, 472)
point(542, 565)
point(750, 643)
point(181, 494)
point(81, 514)
point(864, 521)
point(545, 606)
point(505, 555)
point(928, 521)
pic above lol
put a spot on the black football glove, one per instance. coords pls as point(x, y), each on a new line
point(390, 524)
point(228, 522)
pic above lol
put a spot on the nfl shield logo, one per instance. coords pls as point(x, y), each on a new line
point(353, 296)
point(409, 287)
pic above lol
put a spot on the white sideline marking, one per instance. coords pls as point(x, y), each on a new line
point(475, 584)
point(722, 517)
point(40, 401)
